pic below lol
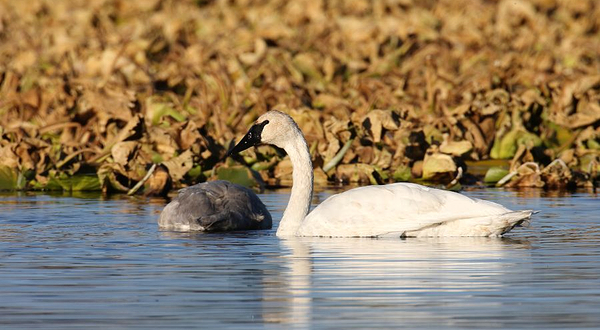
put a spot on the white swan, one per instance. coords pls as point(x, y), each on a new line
point(400, 209)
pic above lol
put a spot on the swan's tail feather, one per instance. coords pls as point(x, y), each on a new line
point(490, 226)
point(515, 219)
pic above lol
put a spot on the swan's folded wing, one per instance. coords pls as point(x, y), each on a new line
point(394, 208)
point(215, 206)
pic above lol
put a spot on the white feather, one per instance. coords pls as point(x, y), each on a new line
point(407, 209)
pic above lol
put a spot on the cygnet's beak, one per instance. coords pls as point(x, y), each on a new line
point(252, 138)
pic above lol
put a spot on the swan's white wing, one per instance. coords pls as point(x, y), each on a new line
point(395, 208)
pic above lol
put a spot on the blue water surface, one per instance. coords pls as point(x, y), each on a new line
point(87, 261)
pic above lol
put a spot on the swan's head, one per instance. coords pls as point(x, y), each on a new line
point(273, 127)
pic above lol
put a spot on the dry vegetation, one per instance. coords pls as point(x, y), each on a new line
point(93, 92)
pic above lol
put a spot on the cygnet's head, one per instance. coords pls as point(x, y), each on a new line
point(273, 127)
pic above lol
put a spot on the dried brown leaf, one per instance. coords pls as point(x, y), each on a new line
point(123, 152)
point(180, 165)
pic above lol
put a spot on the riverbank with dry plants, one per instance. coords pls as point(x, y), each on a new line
point(144, 96)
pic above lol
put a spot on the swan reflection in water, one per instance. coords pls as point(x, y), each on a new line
point(390, 280)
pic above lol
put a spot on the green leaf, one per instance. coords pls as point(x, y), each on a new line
point(494, 174)
point(237, 174)
point(81, 182)
point(506, 146)
point(12, 179)
point(195, 172)
point(266, 165)
point(157, 158)
point(402, 174)
point(563, 135)
point(8, 178)
point(432, 134)
point(593, 144)
point(159, 109)
point(525, 138)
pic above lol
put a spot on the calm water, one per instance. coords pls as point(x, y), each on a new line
point(91, 262)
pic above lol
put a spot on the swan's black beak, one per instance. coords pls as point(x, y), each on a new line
point(252, 138)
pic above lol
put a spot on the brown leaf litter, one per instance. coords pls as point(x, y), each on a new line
point(94, 93)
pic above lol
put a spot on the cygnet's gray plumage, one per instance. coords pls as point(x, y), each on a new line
point(215, 206)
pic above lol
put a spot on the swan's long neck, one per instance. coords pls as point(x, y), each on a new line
point(302, 186)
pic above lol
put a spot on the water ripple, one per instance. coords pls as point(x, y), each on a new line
point(96, 263)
